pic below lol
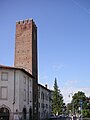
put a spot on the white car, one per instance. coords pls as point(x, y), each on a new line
point(52, 116)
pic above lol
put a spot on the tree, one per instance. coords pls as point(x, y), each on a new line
point(86, 108)
point(58, 104)
point(79, 100)
point(69, 108)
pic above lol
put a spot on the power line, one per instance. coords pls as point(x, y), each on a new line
point(80, 6)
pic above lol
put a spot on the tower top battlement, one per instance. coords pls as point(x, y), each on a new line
point(26, 21)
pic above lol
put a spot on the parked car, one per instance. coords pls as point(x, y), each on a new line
point(59, 116)
point(52, 117)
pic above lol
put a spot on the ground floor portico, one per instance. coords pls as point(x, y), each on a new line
point(7, 114)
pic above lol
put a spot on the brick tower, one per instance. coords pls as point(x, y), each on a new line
point(26, 54)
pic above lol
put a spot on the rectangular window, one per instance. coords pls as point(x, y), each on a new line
point(24, 95)
point(4, 76)
point(46, 105)
point(30, 97)
point(4, 92)
point(28, 91)
point(24, 80)
point(42, 105)
point(30, 82)
point(39, 94)
point(38, 105)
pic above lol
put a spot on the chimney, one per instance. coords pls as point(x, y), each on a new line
point(45, 85)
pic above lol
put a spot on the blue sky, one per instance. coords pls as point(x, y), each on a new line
point(63, 40)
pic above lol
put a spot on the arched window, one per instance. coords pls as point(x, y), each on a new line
point(42, 95)
point(30, 113)
point(4, 113)
point(24, 113)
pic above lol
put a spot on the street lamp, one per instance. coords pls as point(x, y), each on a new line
point(81, 109)
point(71, 95)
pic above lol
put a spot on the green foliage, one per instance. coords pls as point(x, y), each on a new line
point(58, 104)
point(86, 113)
point(69, 108)
point(79, 96)
point(79, 100)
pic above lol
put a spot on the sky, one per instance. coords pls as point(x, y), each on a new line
point(63, 30)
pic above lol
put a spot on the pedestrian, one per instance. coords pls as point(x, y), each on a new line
point(72, 117)
point(16, 116)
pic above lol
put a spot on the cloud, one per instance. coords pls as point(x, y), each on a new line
point(70, 87)
point(57, 67)
point(86, 90)
point(43, 78)
point(70, 83)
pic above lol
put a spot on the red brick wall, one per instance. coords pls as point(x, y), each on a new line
point(26, 46)
point(26, 54)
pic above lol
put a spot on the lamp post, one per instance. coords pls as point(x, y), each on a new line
point(71, 94)
point(81, 109)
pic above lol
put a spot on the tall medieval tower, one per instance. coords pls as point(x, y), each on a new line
point(26, 46)
point(26, 54)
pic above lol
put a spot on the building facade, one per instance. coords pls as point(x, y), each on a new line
point(44, 102)
point(21, 96)
point(16, 93)
point(26, 54)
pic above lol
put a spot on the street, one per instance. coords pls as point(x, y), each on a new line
point(64, 118)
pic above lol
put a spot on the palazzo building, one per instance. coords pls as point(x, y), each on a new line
point(44, 102)
point(15, 93)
